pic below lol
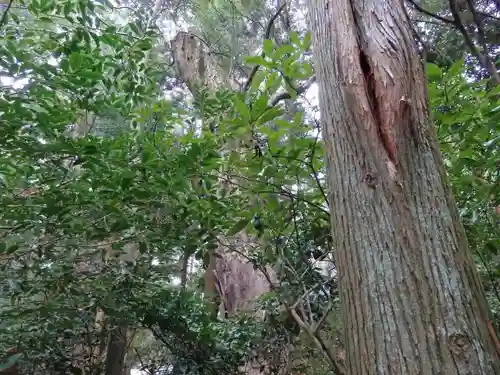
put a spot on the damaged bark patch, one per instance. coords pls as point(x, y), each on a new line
point(384, 128)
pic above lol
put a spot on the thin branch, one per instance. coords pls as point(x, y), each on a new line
point(282, 192)
point(337, 367)
point(4, 15)
point(321, 320)
point(487, 15)
point(315, 172)
point(430, 14)
point(482, 41)
point(484, 60)
point(274, 100)
point(143, 366)
point(263, 54)
point(307, 292)
point(416, 35)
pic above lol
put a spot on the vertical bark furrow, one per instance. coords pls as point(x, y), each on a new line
point(426, 281)
point(370, 304)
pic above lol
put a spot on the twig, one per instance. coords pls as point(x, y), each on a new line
point(307, 292)
point(314, 171)
point(484, 60)
point(321, 320)
point(484, 14)
point(425, 49)
point(337, 368)
point(282, 192)
point(482, 41)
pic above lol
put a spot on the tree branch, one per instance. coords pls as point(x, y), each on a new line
point(269, 27)
point(490, 67)
point(275, 99)
point(430, 14)
point(484, 60)
point(321, 320)
point(337, 368)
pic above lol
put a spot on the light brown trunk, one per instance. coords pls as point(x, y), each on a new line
point(412, 300)
point(210, 284)
point(228, 274)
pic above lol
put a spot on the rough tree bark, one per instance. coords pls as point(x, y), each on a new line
point(412, 300)
point(117, 349)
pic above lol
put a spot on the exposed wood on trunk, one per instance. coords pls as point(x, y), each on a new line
point(210, 284)
point(196, 66)
point(412, 299)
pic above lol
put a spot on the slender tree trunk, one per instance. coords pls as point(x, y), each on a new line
point(117, 349)
point(412, 300)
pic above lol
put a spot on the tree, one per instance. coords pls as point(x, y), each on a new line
point(412, 300)
point(448, 27)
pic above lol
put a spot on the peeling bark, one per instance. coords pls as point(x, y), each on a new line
point(196, 66)
point(412, 299)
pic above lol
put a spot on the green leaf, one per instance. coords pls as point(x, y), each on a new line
point(456, 68)
point(135, 29)
point(258, 79)
point(294, 38)
point(306, 44)
point(308, 71)
point(257, 60)
point(269, 115)
point(284, 50)
point(238, 227)
point(433, 72)
point(243, 109)
point(298, 118)
point(273, 83)
point(259, 106)
point(268, 47)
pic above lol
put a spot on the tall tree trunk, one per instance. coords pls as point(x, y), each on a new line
point(412, 300)
point(117, 349)
point(236, 281)
point(199, 70)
